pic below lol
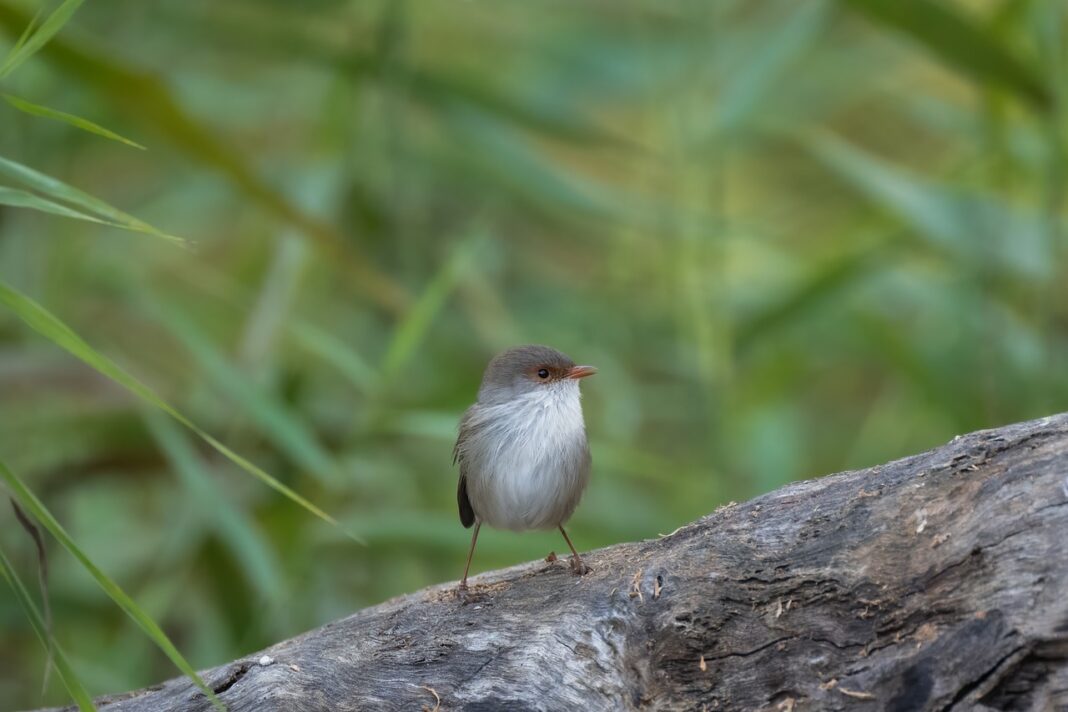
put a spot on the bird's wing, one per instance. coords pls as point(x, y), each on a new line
point(467, 512)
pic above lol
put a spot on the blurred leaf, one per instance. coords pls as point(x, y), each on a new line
point(147, 98)
point(235, 529)
point(29, 501)
point(415, 324)
point(337, 353)
point(273, 306)
point(26, 33)
point(509, 163)
point(70, 679)
point(932, 376)
point(28, 44)
point(767, 63)
point(257, 34)
point(42, 321)
point(440, 89)
point(960, 42)
point(61, 191)
point(76, 121)
point(975, 227)
point(823, 283)
point(284, 429)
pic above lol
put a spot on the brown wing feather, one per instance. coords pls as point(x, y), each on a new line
point(467, 512)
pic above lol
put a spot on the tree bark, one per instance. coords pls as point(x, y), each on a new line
point(935, 582)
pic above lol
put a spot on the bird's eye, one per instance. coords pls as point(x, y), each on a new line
point(543, 373)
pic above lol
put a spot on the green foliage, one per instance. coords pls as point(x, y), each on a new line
point(36, 36)
point(794, 237)
point(40, 629)
point(961, 42)
point(76, 121)
point(39, 319)
point(77, 203)
point(29, 501)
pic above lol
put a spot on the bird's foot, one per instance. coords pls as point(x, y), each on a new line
point(578, 567)
point(466, 595)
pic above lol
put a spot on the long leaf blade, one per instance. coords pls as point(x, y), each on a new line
point(28, 32)
point(24, 199)
point(60, 191)
point(958, 41)
point(27, 48)
point(413, 327)
point(32, 109)
point(28, 500)
point(45, 323)
point(67, 675)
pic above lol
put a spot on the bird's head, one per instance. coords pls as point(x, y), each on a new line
point(527, 370)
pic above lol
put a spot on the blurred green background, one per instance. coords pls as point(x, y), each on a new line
point(796, 237)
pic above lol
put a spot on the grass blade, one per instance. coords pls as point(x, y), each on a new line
point(30, 27)
point(70, 680)
point(61, 191)
point(42, 578)
point(958, 41)
point(29, 502)
point(75, 121)
point(33, 42)
point(45, 323)
point(413, 327)
point(24, 199)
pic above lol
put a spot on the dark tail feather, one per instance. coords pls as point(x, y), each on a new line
point(467, 514)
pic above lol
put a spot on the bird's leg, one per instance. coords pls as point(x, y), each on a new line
point(576, 561)
point(470, 555)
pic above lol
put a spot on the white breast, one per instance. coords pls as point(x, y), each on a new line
point(527, 461)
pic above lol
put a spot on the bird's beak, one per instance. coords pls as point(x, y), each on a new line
point(578, 372)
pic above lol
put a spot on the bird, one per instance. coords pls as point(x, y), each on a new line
point(522, 449)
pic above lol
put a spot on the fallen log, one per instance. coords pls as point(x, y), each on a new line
point(935, 582)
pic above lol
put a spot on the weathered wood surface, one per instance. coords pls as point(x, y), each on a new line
point(935, 582)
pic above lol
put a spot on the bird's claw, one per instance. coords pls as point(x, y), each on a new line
point(466, 595)
point(578, 567)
